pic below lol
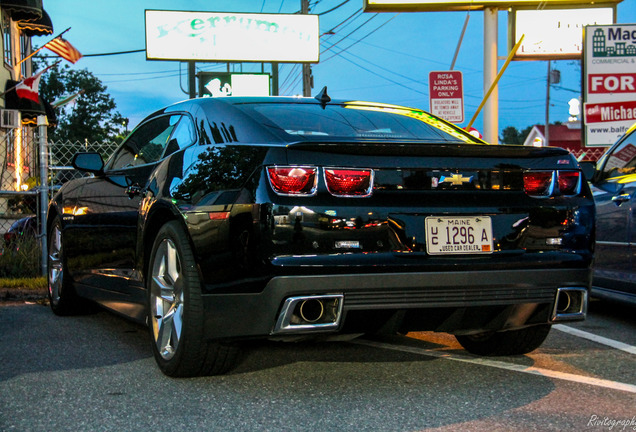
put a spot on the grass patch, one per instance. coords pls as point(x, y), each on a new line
point(36, 283)
point(23, 290)
point(21, 259)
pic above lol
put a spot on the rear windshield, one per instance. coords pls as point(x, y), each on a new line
point(355, 120)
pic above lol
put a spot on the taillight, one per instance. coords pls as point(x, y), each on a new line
point(349, 182)
point(538, 183)
point(550, 183)
point(569, 182)
point(288, 180)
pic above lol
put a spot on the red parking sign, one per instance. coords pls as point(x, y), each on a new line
point(447, 95)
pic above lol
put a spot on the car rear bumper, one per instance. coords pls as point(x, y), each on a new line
point(457, 302)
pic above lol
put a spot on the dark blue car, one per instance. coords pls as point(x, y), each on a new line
point(614, 184)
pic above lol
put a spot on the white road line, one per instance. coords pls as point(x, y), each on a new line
point(597, 382)
point(595, 338)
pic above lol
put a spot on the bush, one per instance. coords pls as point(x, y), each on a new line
point(21, 259)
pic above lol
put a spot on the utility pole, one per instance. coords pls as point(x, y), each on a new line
point(491, 109)
point(546, 135)
point(192, 88)
point(307, 81)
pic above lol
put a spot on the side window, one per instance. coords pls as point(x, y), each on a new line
point(622, 161)
point(182, 136)
point(146, 144)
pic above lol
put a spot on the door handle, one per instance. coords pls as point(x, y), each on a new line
point(620, 199)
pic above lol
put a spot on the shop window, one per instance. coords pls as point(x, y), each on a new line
point(6, 39)
point(25, 50)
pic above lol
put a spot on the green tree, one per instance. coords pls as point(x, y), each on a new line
point(511, 135)
point(93, 116)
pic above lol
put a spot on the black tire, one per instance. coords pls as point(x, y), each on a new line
point(175, 310)
point(513, 342)
point(62, 296)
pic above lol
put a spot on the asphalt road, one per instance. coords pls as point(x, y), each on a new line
point(96, 373)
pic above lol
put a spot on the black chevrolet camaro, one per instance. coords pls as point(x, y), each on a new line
point(224, 220)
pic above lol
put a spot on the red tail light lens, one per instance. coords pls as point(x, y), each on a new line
point(293, 180)
point(538, 183)
point(569, 182)
point(349, 182)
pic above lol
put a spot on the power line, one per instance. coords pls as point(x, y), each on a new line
point(353, 16)
point(114, 53)
point(360, 40)
point(333, 8)
point(350, 33)
point(383, 77)
point(383, 68)
point(291, 73)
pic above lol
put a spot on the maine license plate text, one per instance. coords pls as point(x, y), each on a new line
point(458, 235)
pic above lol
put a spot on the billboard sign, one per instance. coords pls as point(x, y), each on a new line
point(609, 85)
point(215, 84)
point(210, 36)
point(455, 5)
point(554, 34)
point(446, 95)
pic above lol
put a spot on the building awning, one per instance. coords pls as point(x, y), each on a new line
point(28, 109)
point(21, 10)
point(37, 27)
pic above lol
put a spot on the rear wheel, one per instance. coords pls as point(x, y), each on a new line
point(62, 296)
point(175, 310)
point(513, 342)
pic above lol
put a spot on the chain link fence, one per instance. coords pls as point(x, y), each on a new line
point(20, 251)
point(61, 155)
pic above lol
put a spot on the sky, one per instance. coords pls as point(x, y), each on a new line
point(383, 57)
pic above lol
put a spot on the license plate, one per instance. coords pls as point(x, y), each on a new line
point(458, 235)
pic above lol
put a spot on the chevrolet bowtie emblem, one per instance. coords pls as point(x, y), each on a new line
point(456, 179)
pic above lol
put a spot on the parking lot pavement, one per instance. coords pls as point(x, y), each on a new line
point(96, 372)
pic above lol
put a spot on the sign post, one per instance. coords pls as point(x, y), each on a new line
point(446, 92)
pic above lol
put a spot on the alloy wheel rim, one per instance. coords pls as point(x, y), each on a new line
point(166, 299)
point(56, 271)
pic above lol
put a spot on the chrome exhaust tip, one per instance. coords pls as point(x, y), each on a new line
point(311, 310)
point(310, 313)
point(570, 304)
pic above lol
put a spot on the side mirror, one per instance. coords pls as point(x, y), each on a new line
point(588, 168)
point(88, 162)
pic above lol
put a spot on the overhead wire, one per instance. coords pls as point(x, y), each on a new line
point(291, 73)
point(354, 15)
point(361, 39)
point(344, 57)
point(350, 33)
point(333, 8)
point(418, 81)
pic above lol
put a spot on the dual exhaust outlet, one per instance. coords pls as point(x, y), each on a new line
point(310, 313)
point(324, 312)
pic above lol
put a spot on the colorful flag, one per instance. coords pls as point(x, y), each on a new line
point(29, 88)
point(64, 49)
